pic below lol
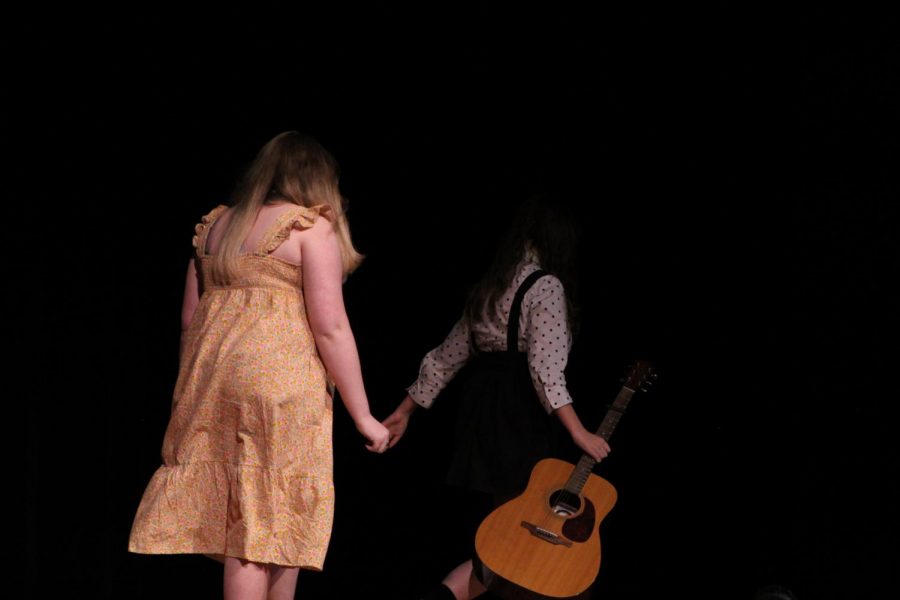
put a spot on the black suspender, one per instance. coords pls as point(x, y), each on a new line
point(512, 334)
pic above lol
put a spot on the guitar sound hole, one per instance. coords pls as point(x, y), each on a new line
point(564, 504)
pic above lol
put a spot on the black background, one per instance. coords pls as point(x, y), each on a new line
point(737, 174)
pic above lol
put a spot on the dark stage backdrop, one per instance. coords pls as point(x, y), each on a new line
point(736, 169)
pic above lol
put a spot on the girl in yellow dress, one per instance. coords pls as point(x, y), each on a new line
point(247, 456)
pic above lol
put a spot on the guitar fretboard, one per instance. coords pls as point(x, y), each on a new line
point(585, 466)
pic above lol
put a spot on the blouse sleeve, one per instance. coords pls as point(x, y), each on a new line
point(547, 338)
point(441, 364)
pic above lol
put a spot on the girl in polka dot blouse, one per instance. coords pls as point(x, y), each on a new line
point(514, 339)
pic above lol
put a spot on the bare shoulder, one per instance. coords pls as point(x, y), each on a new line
point(322, 227)
point(320, 237)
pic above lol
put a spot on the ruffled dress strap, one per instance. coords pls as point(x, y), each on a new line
point(298, 217)
point(201, 230)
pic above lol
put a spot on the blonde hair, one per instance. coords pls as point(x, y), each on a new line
point(291, 167)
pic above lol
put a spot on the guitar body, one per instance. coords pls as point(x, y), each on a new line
point(545, 543)
point(534, 547)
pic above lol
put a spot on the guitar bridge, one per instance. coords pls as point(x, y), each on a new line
point(547, 536)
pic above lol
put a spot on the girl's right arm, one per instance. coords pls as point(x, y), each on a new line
point(323, 290)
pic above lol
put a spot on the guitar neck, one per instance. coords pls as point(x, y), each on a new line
point(586, 465)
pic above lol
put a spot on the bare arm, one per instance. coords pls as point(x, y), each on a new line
point(323, 291)
point(592, 444)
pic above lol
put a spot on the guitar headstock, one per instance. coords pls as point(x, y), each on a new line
point(640, 375)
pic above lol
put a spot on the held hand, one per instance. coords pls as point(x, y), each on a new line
point(376, 434)
point(593, 445)
point(398, 420)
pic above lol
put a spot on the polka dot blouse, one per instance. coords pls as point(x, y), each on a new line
point(543, 334)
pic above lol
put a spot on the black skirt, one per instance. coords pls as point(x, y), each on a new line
point(502, 428)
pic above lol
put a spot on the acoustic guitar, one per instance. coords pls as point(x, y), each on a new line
point(545, 542)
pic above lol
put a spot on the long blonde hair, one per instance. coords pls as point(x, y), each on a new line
point(291, 167)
